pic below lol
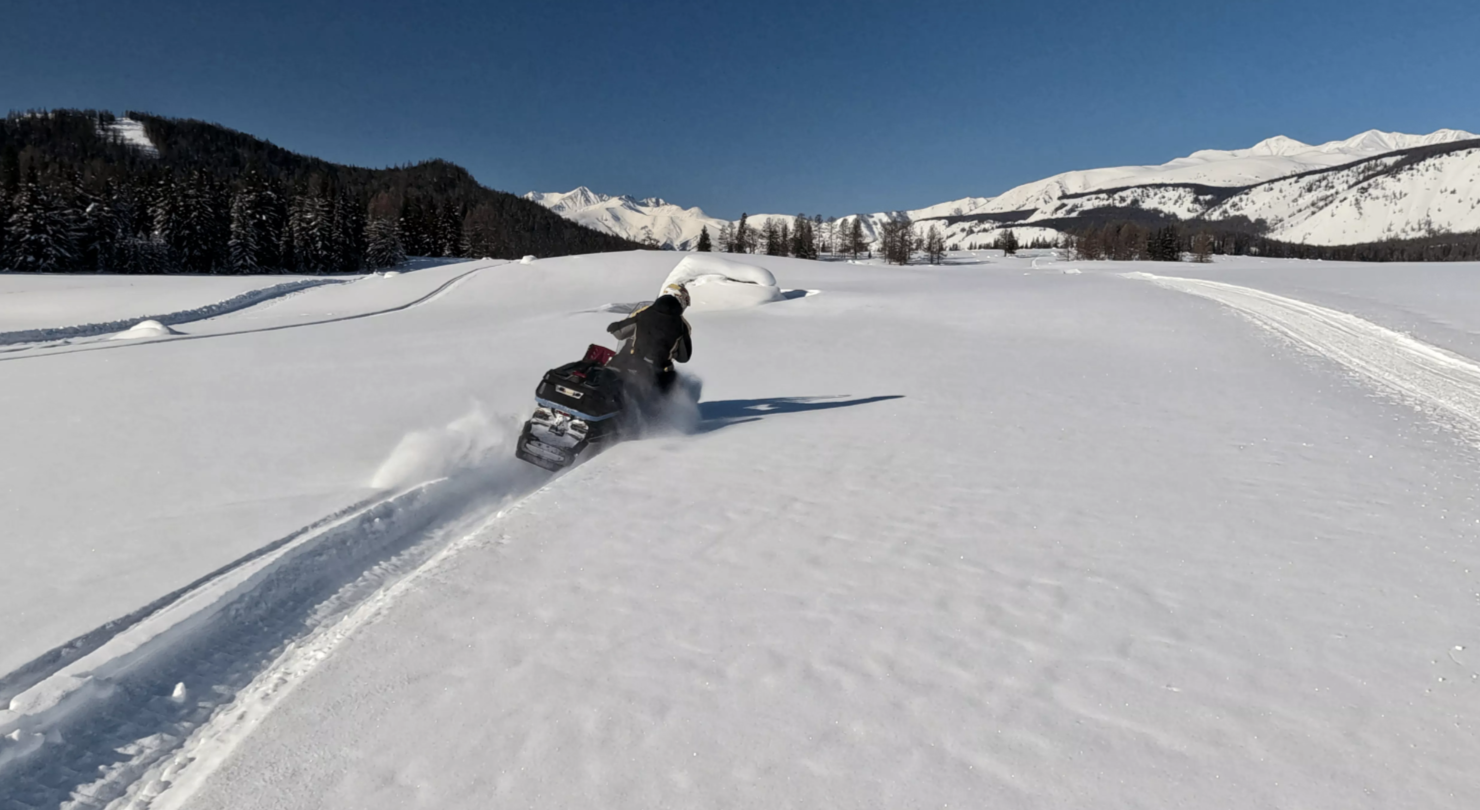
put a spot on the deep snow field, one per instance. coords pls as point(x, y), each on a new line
point(1010, 532)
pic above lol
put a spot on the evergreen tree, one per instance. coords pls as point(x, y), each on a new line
point(742, 236)
point(449, 231)
point(897, 240)
point(727, 238)
point(856, 242)
point(349, 232)
point(773, 239)
point(383, 245)
point(252, 244)
point(1008, 242)
point(704, 246)
point(40, 238)
point(200, 226)
point(935, 245)
point(481, 233)
point(311, 229)
point(802, 238)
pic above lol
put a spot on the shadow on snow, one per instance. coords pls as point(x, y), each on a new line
point(726, 412)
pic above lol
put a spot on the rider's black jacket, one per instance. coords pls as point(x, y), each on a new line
point(658, 334)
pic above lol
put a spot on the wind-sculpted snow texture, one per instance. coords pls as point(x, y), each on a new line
point(1005, 532)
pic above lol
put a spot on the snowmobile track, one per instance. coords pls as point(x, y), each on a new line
point(211, 659)
point(1442, 385)
point(442, 289)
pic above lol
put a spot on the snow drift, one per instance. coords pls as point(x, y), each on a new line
point(716, 283)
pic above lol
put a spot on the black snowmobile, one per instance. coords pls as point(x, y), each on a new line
point(577, 405)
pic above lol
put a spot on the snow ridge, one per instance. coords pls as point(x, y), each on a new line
point(1438, 383)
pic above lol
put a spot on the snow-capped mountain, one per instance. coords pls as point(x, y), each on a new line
point(649, 219)
point(1330, 193)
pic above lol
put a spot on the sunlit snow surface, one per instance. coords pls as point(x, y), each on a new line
point(132, 133)
point(990, 534)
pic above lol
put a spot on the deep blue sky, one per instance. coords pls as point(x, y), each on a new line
point(759, 106)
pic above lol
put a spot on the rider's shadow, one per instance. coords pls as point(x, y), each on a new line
point(723, 413)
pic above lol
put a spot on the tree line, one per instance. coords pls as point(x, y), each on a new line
point(1130, 240)
point(73, 198)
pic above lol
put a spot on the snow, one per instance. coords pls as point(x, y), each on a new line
point(144, 329)
point(986, 533)
point(49, 303)
point(132, 133)
point(717, 283)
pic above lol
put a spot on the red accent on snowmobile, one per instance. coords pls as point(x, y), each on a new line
point(599, 354)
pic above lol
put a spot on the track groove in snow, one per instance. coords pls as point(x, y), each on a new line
point(251, 298)
point(1442, 385)
point(428, 298)
point(115, 724)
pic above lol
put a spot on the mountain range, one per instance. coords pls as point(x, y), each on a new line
point(1371, 187)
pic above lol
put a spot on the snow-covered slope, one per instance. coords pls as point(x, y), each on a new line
point(1409, 201)
point(961, 536)
point(132, 133)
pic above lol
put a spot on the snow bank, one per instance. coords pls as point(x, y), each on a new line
point(716, 283)
point(144, 329)
point(527, 260)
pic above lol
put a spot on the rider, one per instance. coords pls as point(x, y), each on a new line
point(656, 337)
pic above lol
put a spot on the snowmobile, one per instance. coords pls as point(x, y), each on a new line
point(577, 406)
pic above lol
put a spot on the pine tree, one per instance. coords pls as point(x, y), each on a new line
point(311, 229)
point(856, 243)
point(252, 245)
point(773, 239)
point(801, 237)
point(41, 237)
point(935, 245)
point(898, 240)
point(727, 238)
point(742, 236)
point(1008, 242)
point(481, 233)
point(704, 246)
point(450, 229)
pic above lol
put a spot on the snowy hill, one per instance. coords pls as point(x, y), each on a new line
point(997, 533)
point(1404, 198)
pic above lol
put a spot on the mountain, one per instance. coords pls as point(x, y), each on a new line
point(1371, 187)
point(650, 220)
point(84, 190)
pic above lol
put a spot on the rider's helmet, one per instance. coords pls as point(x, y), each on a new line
point(679, 292)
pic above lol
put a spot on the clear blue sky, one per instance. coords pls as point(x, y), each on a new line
point(759, 106)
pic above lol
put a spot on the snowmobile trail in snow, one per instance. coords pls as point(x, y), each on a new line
point(1442, 385)
point(126, 714)
point(441, 290)
point(236, 303)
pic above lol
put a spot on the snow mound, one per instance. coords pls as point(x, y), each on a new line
point(716, 283)
point(390, 274)
point(145, 329)
point(527, 260)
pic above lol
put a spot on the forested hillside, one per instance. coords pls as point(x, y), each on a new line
point(85, 191)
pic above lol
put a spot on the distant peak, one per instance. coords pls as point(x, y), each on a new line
point(1279, 145)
